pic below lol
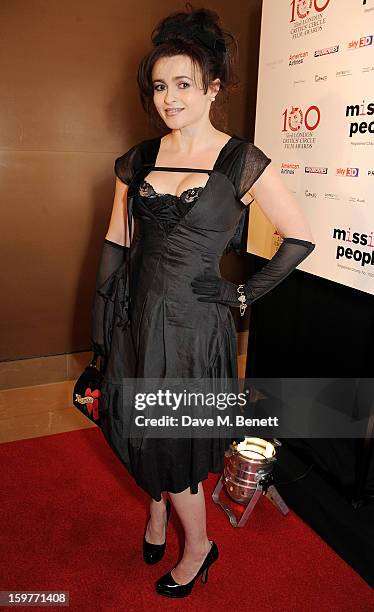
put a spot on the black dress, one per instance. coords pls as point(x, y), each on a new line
point(172, 334)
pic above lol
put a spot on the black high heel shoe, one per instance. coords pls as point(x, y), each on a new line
point(152, 553)
point(167, 585)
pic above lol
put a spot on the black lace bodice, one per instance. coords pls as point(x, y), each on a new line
point(189, 195)
point(168, 208)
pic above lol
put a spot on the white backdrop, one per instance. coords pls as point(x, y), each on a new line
point(315, 120)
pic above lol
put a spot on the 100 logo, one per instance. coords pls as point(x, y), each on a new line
point(301, 8)
point(294, 119)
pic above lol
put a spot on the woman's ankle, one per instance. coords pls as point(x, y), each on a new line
point(196, 549)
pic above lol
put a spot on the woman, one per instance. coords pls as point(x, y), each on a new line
point(189, 191)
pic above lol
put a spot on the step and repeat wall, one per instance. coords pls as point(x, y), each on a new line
point(315, 120)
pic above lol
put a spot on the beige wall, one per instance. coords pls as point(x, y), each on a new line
point(69, 107)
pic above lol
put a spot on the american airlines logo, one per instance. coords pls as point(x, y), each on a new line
point(297, 58)
point(289, 167)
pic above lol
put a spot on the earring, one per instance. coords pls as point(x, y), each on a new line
point(212, 99)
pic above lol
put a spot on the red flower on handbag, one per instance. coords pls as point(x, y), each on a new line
point(93, 407)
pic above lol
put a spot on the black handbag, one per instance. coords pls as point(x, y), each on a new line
point(87, 391)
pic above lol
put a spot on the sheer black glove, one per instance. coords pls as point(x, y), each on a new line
point(213, 288)
point(112, 257)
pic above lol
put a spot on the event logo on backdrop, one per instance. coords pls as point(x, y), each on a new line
point(317, 57)
point(360, 110)
point(307, 17)
point(300, 126)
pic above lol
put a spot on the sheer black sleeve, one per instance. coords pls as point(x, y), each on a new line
point(290, 254)
point(253, 162)
point(124, 165)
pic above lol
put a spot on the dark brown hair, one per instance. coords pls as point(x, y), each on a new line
point(213, 64)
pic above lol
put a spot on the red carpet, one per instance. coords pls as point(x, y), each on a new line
point(73, 519)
